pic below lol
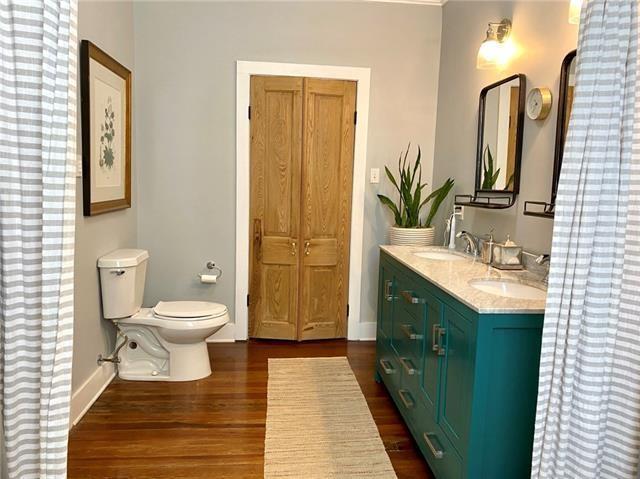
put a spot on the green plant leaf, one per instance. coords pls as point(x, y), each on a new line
point(438, 197)
point(392, 178)
point(489, 176)
point(391, 205)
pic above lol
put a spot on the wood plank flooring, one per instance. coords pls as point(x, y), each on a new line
point(214, 428)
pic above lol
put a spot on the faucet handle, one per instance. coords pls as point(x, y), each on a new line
point(489, 235)
point(543, 258)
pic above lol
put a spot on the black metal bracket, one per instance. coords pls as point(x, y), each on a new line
point(488, 202)
point(532, 208)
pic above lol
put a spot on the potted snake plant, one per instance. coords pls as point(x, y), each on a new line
point(409, 229)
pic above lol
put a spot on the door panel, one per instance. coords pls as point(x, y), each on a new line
point(276, 140)
point(431, 367)
point(457, 378)
point(327, 166)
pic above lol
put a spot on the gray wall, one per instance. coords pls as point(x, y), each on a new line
point(185, 130)
point(110, 26)
point(544, 36)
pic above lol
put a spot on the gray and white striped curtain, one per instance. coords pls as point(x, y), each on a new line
point(588, 415)
point(38, 48)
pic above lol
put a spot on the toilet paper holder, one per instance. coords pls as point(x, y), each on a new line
point(211, 271)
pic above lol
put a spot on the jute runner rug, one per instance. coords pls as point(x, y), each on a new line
point(319, 424)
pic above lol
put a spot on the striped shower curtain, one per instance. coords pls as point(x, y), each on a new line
point(588, 415)
point(38, 48)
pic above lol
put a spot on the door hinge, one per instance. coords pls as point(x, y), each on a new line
point(248, 301)
point(355, 117)
point(347, 310)
point(249, 112)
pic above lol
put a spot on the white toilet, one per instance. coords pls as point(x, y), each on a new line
point(166, 342)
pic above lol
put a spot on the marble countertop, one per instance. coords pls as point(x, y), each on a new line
point(454, 276)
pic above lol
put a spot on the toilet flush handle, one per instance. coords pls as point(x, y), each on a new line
point(118, 272)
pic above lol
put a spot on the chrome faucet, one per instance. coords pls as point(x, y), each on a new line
point(543, 259)
point(472, 242)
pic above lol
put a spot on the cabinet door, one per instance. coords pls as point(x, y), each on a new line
point(456, 387)
point(386, 301)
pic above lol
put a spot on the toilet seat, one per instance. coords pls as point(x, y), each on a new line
point(190, 310)
point(148, 317)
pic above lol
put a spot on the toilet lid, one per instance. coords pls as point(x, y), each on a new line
point(189, 309)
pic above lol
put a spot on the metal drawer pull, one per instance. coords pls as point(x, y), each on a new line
point(437, 453)
point(293, 248)
point(410, 298)
point(406, 398)
point(387, 290)
point(441, 334)
point(408, 366)
point(407, 329)
point(434, 338)
point(386, 367)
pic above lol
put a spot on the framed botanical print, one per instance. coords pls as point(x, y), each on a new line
point(106, 131)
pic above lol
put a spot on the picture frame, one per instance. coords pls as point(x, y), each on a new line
point(105, 87)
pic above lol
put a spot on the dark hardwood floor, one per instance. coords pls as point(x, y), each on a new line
point(214, 428)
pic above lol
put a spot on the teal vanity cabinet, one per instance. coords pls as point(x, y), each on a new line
point(465, 383)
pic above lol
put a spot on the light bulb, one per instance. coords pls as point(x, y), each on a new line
point(575, 6)
point(488, 55)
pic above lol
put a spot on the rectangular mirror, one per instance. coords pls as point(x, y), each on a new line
point(500, 127)
point(565, 104)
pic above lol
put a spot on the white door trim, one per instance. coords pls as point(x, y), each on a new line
point(244, 70)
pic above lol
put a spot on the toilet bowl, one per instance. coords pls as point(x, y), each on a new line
point(163, 343)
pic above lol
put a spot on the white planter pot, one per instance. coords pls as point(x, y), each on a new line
point(411, 236)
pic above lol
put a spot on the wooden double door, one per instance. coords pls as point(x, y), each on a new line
point(302, 143)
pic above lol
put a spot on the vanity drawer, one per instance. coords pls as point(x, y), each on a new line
point(388, 365)
point(436, 447)
point(408, 335)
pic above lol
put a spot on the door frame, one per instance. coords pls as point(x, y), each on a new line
point(244, 71)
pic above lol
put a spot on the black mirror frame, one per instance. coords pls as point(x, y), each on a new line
point(519, 135)
point(561, 134)
point(505, 198)
point(548, 209)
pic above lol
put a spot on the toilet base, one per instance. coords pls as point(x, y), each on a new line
point(148, 357)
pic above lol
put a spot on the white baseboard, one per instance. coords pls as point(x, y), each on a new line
point(367, 331)
point(224, 335)
point(84, 397)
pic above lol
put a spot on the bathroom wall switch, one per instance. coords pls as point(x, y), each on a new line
point(375, 175)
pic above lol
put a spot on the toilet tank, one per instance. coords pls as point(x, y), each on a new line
point(122, 275)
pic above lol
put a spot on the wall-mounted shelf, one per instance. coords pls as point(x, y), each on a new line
point(540, 209)
point(487, 202)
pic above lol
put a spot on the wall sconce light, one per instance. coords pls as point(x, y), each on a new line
point(575, 6)
point(495, 50)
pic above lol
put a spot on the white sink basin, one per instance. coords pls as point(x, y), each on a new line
point(509, 289)
point(439, 255)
